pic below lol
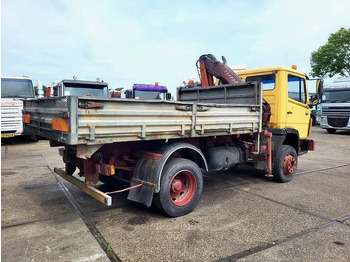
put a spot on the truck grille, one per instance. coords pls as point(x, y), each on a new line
point(11, 119)
point(338, 121)
point(335, 110)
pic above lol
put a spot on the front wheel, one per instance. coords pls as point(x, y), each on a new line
point(180, 187)
point(331, 130)
point(285, 163)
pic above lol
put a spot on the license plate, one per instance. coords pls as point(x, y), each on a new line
point(7, 135)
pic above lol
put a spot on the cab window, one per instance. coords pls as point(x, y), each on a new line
point(268, 81)
point(296, 88)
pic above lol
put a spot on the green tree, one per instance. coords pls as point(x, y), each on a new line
point(333, 57)
point(36, 90)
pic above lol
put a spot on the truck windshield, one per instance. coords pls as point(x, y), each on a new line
point(336, 96)
point(16, 88)
point(149, 95)
point(84, 90)
point(268, 81)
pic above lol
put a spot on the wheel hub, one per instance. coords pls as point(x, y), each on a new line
point(182, 188)
point(289, 164)
point(176, 185)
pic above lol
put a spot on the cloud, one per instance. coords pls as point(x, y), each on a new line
point(127, 42)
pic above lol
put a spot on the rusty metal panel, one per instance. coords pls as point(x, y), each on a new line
point(227, 120)
point(239, 93)
point(97, 121)
point(145, 120)
point(43, 111)
point(130, 120)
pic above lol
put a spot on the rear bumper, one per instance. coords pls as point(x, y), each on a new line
point(307, 145)
point(92, 191)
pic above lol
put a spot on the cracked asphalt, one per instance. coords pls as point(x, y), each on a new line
point(242, 216)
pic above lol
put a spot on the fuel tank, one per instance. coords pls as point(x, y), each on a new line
point(225, 157)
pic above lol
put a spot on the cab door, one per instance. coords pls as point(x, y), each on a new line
point(298, 112)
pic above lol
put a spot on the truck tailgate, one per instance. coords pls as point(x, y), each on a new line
point(92, 120)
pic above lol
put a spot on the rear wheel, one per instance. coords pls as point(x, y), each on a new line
point(33, 137)
point(180, 187)
point(285, 164)
point(331, 130)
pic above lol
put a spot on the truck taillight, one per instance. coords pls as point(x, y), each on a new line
point(60, 124)
point(26, 118)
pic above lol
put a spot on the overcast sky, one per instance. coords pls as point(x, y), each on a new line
point(127, 42)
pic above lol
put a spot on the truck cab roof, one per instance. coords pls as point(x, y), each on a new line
point(16, 77)
point(83, 82)
point(268, 69)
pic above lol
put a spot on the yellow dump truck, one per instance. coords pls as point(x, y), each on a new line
point(160, 147)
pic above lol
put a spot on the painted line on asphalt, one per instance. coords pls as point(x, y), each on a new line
point(92, 228)
point(285, 205)
point(321, 169)
point(237, 186)
point(343, 219)
point(25, 223)
point(271, 244)
point(28, 222)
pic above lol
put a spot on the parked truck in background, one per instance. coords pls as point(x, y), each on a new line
point(73, 87)
point(335, 106)
point(146, 91)
point(13, 91)
point(159, 147)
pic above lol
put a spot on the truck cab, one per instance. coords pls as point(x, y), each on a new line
point(13, 91)
point(146, 91)
point(80, 88)
point(335, 106)
point(285, 89)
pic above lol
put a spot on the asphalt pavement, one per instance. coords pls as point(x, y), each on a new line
point(242, 216)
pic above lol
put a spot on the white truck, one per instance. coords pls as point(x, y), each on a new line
point(335, 106)
point(13, 91)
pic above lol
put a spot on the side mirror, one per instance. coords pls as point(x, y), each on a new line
point(128, 93)
point(319, 88)
point(55, 91)
point(313, 99)
point(168, 96)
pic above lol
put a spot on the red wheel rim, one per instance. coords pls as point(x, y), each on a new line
point(182, 188)
point(289, 164)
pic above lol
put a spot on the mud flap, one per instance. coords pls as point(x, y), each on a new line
point(143, 194)
point(150, 166)
point(145, 173)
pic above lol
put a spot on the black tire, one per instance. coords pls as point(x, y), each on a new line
point(285, 163)
point(331, 130)
point(179, 198)
point(33, 137)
